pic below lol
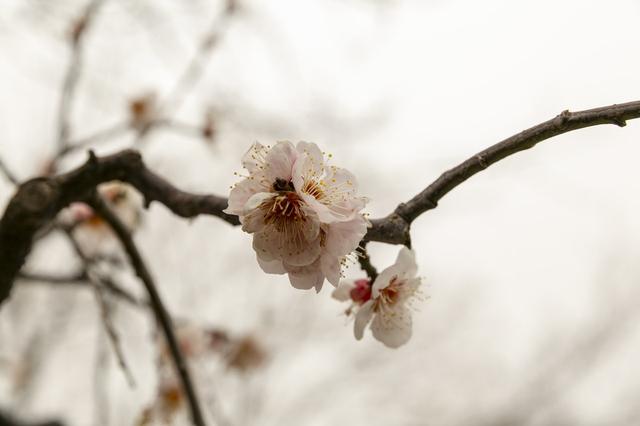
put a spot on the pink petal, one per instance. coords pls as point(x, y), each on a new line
point(280, 160)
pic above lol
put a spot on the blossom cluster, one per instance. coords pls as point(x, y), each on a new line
point(305, 218)
point(385, 303)
point(304, 214)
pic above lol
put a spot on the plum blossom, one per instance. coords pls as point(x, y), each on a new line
point(386, 303)
point(91, 231)
point(304, 214)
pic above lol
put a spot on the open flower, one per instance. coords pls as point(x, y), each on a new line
point(387, 301)
point(304, 214)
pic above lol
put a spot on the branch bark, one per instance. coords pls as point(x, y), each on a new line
point(38, 201)
point(564, 122)
point(157, 305)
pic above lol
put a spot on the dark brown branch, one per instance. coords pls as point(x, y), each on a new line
point(76, 278)
point(565, 122)
point(365, 262)
point(160, 311)
point(6, 420)
point(38, 201)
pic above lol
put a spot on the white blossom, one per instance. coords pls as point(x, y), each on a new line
point(387, 303)
point(303, 213)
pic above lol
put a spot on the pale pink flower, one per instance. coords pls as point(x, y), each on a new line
point(386, 303)
point(303, 213)
point(90, 230)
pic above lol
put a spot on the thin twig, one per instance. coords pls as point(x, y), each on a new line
point(74, 69)
point(187, 79)
point(365, 262)
point(195, 68)
point(81, 279)
point(112, 334)
point(6, 420)
point(394, 229)
point(106, 134)
point(101, 407)
point(11, 177)
point(161, 313)
point(565, 122)
point(99, 285)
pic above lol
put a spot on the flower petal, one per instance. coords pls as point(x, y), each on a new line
point(305, 277)
point(256, 200)
point(384, 279)
point(280, 161)
point(343, 291)
point(240, 194)
point(404, 268)
point(297, 246)
point(313, 158)
point(406, 262)
point(253, 216)
point(333, 196)
point(362, 319)
point(253, 159)
point(343, 237)
point(272, 266)
point(331, 268)
point(392, 327)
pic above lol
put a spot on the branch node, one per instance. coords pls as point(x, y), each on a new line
point(562, 119)
point(146, 202)
point(483, 163)
point(93, 159)
point(619, 121)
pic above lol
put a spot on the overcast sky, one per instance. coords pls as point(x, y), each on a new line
point(531, 265)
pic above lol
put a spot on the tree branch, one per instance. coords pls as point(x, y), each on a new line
point(565, 122)
point(37, 201)
point(365, 262)
point(82, 279)
point(6, 420)
point(74, 68)
point(160, 311)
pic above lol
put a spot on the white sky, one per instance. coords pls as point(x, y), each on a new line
point(525, 262)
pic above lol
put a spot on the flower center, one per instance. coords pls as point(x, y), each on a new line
point(284, 209)
point(283, 185)
point(390, 294)
point(314, 189)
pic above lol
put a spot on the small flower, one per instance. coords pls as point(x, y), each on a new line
point(387, 301)
point(90, 229)
point(303, 213)
point(121, 198)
